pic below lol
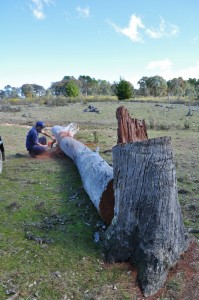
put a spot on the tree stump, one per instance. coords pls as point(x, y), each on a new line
point(129, 129)
point(147, 228)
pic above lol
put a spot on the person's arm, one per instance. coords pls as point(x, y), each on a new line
point(48, 135)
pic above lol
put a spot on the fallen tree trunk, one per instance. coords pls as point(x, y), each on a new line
point(95, 172)
point(147, 228)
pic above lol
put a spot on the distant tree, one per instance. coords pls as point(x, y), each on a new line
point(114, 87)
point(72, 89)
point(104, 87)
point(195, 84)
point(2, 94)
point(58, 88)
point(124, 90)
point(143, 89)
point(157, 86)
point(197, 89)
point(11, 92)
point(192, 81)
point(27, 90)
point(67, 87)
point(190, 90)
point(67, 78)
point(16, 92)
point(8, 91)
point(176, 86)
point(38, 90)
point(87, 84)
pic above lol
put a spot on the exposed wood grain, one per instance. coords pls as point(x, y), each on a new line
point(129, 129)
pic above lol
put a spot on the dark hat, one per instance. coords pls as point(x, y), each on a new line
point(40, 124)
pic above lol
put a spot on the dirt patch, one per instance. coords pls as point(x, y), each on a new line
point(55, 152)
point(183, 280)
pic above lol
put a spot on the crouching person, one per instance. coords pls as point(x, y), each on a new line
point(34, 144)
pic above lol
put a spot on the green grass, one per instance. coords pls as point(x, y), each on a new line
point(44, 198)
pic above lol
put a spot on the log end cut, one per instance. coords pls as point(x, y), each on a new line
point(107, 203)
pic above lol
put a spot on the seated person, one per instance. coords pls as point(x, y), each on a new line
point(35, 144)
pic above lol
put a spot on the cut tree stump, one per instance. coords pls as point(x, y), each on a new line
point(147, 228)
point(95, 172)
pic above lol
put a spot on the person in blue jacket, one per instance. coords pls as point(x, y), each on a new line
point(34, 144)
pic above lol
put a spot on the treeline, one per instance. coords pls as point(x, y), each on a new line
point(69, 86)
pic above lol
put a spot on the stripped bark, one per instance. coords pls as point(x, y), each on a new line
point(95, 172)
point(129, 129)
point(147, 228)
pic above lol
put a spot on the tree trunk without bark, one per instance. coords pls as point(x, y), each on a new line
point(129, 129)
point(95, 172)
point(147, 228)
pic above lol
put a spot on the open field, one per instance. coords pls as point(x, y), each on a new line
point(47, 247)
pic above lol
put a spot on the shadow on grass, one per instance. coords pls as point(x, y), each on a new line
point(61, 211)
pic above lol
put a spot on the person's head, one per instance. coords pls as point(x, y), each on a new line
point(39, 125)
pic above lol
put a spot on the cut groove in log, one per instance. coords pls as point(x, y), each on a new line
point(147, 227)
point(95, 172)
point(129, 129)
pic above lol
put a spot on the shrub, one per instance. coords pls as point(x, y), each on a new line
point(186, 124)
point(151, 123)
point(124, 90)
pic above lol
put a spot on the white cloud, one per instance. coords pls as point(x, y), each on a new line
point(37, 7)
point(191, 72)
point(83, 12)
point(165, 69)
point(136, 23)
point(164, 30)
point(132, 30)
point(164, 64)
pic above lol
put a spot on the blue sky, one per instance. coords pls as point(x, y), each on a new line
point(44, 40)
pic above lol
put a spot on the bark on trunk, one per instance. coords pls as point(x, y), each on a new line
point(95, 172)
point(129, 129)
point(147, 228)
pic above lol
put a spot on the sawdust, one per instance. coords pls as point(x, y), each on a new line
point(186, 274)
point(55, 152)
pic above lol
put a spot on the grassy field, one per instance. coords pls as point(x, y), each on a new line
point(47, 247)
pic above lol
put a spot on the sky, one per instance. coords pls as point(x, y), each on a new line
point(44, 40)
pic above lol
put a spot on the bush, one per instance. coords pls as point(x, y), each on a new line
point(186, 124)
point(124, 90)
